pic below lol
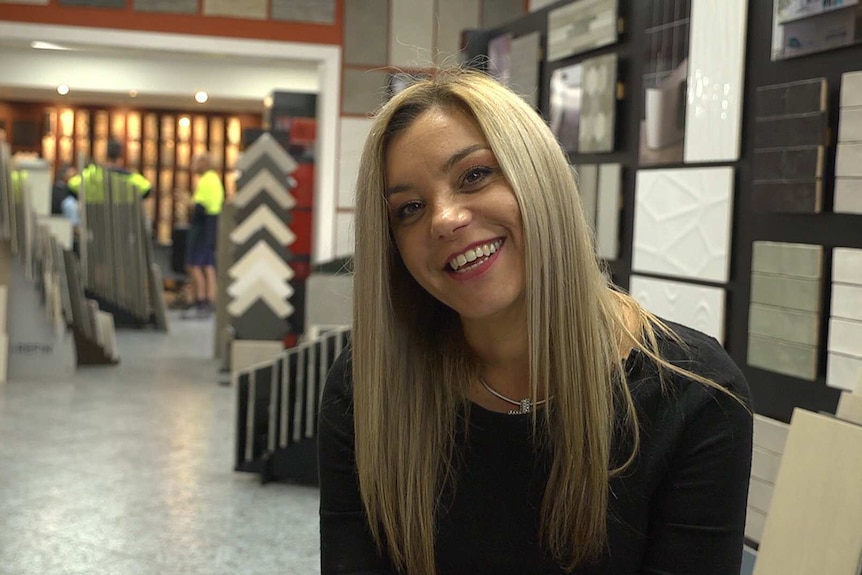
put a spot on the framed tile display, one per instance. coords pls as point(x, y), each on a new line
point(580, 27)
point(803, 27)
point(696, 306)
point(598, 105)
point(683, 222)
point(565, 105)
point(525, 59)
point(715, 80)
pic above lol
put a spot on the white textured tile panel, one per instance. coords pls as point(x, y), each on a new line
point(794, 260)
point(683, 222)
point(845, 336)
point(765, 465)
point(411, 36)
point(848, 161)
point(851, 89)
point(354, 132)
point(608, 211)
point(850, 407)
point(793, 359)
point(754, 522)
point(848, 196)
point(344, 234)
point(770, 434)
point(850, 125)
point(699, 307)
point(815, 518)
point(453, 16)
point(847, 302)
point(787, 324)
point(844, 372)
point(759, 494)
point(715, 80)
point(524, 61)
point(847, 266)
point(786, 292)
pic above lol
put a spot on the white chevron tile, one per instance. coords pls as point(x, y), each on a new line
point(260, 291)
point(260, 273)
point(265, 182)
point(266, 145)
point(262, 218)
point(261, 253)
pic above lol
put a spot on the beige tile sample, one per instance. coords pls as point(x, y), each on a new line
point(796, 260)
point(850, 407)
point(845, 336)
point(765, 465)
point(851, 89)
point(843, 371)
point(366, 32)
point(848, 196)
point(847, 303)
point(787, 324)
point(778, 356)
point(848, 161)
point(847, 266)
point(363, 91)
point(770, 434)
point(815, 519)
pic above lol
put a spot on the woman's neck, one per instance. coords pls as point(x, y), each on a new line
point(502, 350)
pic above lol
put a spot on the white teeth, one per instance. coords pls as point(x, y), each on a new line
point(461, 260)
point(473, 254)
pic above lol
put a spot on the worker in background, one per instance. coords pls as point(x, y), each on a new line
point(206, 206)
point(95, 172)
point(60, 192)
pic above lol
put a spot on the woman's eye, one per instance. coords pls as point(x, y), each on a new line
point(407, 209)
point(475, 175)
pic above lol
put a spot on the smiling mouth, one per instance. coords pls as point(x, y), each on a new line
point(474, 257)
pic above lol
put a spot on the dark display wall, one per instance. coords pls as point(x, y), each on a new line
point(649, 54)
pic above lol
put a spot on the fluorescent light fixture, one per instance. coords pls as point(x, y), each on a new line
point(39, 45)
point(201, 97)
point(62, 89)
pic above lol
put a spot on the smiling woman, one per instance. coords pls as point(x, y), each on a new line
point(477, 289)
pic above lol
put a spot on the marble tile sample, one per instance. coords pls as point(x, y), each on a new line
point(796, 260)
point(699, 307)
point(524, 74)
point(792, 293)
point(588, 186)
point(580, 27)
point(847, 303)
point(785, 324)
point(843, 371)
point(788, 163)
point(845, 337)
point(847, 266)
point(715, 80)
point(848, 196)
point(783, 357)
point(682, 222)
point(800, 197)
point(453, 16)
point(236, 8)
point(608, 211)
point(815, 518)
point(850, 125)
point(851, 89)
point(598, 106)
point(770, 434)
point(366, 32)
point(792, 98)
point(363, 91)
point(848, 161)
point(411, 38)
point(174, 6)
point(314, 11)
point(352, 136)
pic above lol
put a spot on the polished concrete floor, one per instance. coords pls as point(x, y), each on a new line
point(127, 470)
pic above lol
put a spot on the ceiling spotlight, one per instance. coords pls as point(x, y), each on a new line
point(62, 89)
point(185, 122)
point(201, 97)
point(133, 93)
point(267, 102)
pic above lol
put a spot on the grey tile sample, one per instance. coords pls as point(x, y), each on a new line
point(788, 325)
point(788, 197)
point(791, 293)
point(363, 91)
point(848, 196)
point(580, 27)
point(598, 106)
point(790, 131)
point(851, 89)
point(791, 98)
point(588, 186)
point(795, 260)
point(848, 161)
point(783, 357)
point(95, 3)
point(174, 6)
point(366, 32)
point(788, 164)
point(498, 12)
point(316, 11)
point(256, 9)
point(850, 125)
point(608, 211)
point(524, 58)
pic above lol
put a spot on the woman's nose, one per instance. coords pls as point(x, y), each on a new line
point(448, 218)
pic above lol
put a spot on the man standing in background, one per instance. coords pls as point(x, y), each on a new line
point(200, 254)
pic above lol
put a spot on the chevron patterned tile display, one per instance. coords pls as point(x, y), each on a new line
point(263, 289)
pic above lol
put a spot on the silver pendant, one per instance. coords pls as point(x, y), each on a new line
point(525, 407)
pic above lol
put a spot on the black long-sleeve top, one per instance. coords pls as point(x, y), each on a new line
point(679, 509)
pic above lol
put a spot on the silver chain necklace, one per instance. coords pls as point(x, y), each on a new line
point(524, 406)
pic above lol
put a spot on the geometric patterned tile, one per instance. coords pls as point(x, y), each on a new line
point(598, 106)
point(580, 27)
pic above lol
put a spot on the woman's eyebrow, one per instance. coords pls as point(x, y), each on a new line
point(461, 154)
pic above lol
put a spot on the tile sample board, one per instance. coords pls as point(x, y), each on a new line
point(791, 135)
point(580, 27)
point(366, 32)
point(236, 8)
point(844, 360)
point(815, 517)
point(682, 222)
point(598, 105)
point(848, 178)
point(524, 73)
point(411, 36)
point(696, 306)
point(600, 188)
point(174, 6)
point(715, 80)
point(784, 316)
point(314, 11)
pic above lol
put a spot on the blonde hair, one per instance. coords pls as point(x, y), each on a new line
point(412, 367)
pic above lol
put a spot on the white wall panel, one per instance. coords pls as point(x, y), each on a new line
point(354, 132)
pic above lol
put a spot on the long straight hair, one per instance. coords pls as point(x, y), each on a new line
point(412, 367)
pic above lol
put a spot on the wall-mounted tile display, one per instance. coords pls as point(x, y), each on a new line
point(524, 75)
point(580, 27)
point(664, 80)
point(316, 11)
point(600, 190)
point(784, 316)
point(715, 80)
point(565, 105)
point(174, 6)
point(412, 32)
point(844, 363)
point(256, 9)
point(848, 178)
point(683, 222)
point(699, 307)
point(802, 27)
point(598, 106)
point(500, 58)
point(366, 32)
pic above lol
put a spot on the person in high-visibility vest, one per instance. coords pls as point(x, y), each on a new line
point(94, 174)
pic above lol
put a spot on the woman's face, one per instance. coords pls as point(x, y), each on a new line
point(454, 216)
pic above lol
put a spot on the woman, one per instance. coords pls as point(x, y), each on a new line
point(503, 409)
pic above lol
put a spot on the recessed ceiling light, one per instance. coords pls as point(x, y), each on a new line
point(62, 89)
point(133, 93)
point(201, 97)
point(185, 122)
point(39, 45)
